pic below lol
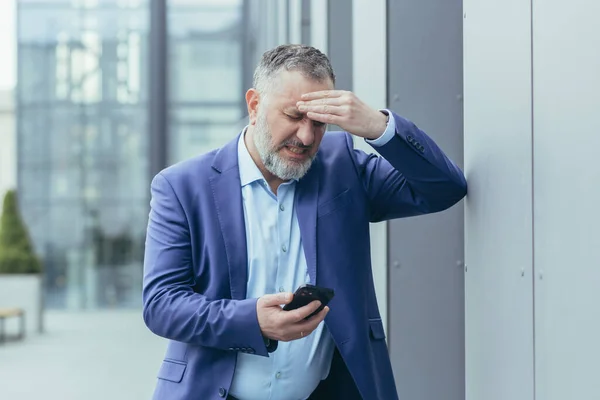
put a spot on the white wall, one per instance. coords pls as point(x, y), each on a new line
point(369, 46)
point(295, 28)
point(498, 214)
point(566, 99)
point(8, 149)
point(532, 96)
point(318, 24)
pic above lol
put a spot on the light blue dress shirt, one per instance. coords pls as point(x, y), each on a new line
point(276, 263)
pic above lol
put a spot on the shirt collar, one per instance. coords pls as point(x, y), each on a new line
point(249, 172)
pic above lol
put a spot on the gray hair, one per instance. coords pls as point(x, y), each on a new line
point(307, 60)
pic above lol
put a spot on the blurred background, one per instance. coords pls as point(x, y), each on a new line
point(84, 144)
point(493, 299)
point(96, 96)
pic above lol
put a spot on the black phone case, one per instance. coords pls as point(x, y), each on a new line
point(308, 293)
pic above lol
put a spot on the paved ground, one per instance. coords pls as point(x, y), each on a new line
point(104, 355)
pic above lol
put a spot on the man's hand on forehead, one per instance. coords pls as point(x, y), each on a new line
point(345, 109)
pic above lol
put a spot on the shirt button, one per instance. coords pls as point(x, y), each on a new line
point(278, 375)
point(284, 248)
point(281, 289)
point(281, 207)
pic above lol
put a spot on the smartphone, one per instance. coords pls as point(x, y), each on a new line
point(306, 294)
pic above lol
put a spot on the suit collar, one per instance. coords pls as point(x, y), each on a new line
point(226, 157)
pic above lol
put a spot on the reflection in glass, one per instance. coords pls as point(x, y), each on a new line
point(205, 75)
point(82, 122)
point(82, 146)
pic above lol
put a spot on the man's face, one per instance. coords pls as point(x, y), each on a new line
point(286, 140)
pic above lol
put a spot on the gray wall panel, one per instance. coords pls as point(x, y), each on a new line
point(339, 49)
point(566, 72)
point(426, 281)
point(306, 21)
point(498, 216)
point(340, 41)
point(158, 82)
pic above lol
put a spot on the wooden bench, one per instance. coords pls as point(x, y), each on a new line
point(6, 313)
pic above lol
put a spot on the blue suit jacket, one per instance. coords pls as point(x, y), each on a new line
point(195, 268)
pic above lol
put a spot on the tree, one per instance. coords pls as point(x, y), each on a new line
point(16, 250)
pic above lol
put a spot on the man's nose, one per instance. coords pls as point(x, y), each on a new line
point(306, 133)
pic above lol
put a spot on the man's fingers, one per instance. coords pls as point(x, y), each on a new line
point(325, 118)
point(322, 94)
point(315, 319)
point(334, 101)
point(324, 109)
point(306, 327)
point(271, 300)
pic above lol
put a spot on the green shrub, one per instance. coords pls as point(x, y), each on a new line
point(16, 250)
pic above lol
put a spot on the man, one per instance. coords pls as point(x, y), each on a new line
point(234, 232)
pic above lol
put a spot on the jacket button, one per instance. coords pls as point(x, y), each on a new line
point(222, 392)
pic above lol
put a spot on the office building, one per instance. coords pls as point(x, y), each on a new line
point(82, 95)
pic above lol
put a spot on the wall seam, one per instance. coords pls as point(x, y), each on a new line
point(533, 270)
point(387, 227)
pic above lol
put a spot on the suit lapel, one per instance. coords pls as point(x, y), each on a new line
point(307, 196)
point(227, 195)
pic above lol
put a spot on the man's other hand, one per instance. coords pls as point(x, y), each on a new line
point(345, 109)
point(285, 326)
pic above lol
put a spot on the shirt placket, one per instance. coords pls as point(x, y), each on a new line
point(284, 275)
point(283, 234)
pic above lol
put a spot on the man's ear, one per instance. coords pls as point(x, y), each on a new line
point(252, 101)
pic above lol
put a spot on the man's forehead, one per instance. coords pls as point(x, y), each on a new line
point(286, 102)
point(294, 84)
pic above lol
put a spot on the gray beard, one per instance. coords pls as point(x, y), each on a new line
point(282, 168)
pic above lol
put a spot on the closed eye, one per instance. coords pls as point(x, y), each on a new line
point(300, 117)
point(295, 117)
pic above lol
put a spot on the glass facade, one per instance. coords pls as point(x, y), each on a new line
point(82, 148)
point(87, 145)
point(206, 97)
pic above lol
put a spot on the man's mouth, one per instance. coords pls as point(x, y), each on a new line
point(296, 150)
point(297, 153)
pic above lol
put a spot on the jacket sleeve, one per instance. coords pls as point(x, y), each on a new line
point(171, 308)
point(412, 176)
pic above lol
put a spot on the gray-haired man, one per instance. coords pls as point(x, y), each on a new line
point(234, 232)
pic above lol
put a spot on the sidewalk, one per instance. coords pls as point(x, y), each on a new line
point(96, 355)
